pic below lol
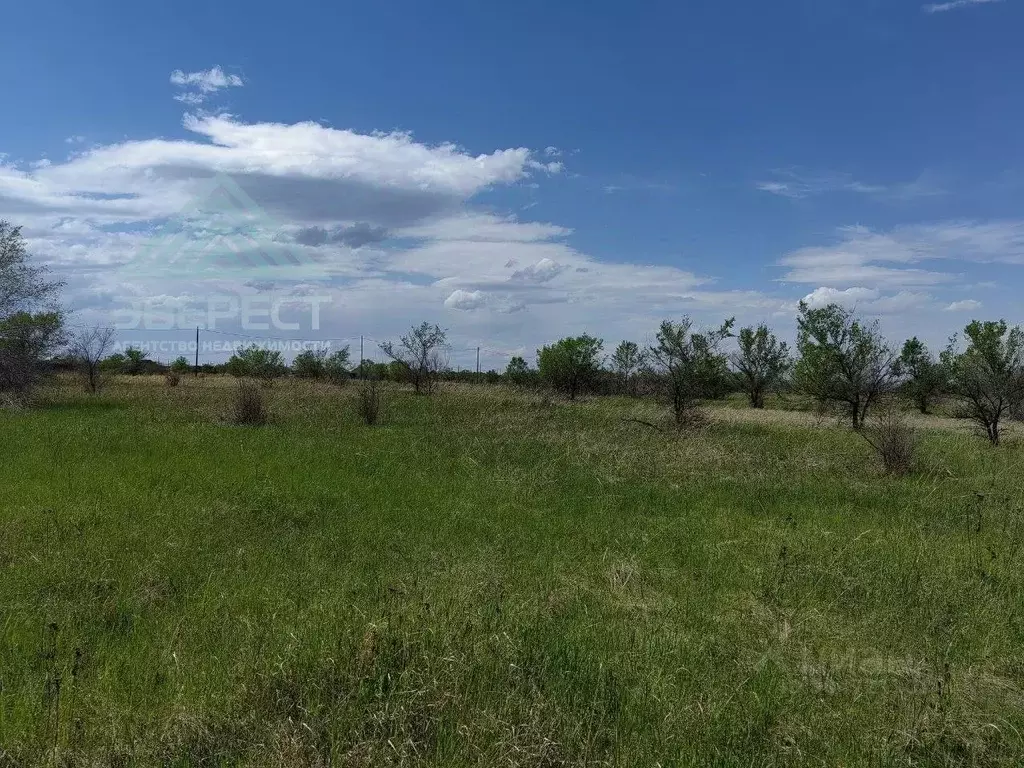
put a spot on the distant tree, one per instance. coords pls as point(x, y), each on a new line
point(113, 364)
point(135, 360)
point(257, 362)
point(88, 348)
point(988, 377)
point(310, 364)
point(31, 325)
point(627, 361)
point(518, 372)
point(570, 365)
point(842, 360)
point(336, 366)
point(762, 361)
point(924, 377)
point(690, 365)
point(181, 365)
point(420, 355)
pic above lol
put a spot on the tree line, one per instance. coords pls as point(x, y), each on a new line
point(840, 360)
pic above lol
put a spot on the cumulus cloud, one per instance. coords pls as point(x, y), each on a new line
point(197, 86)
point(965, 305)
point(395, 231)
point(868, 300)
point(465, 300)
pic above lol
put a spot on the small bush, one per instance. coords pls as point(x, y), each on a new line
point(172, 378)
point(894, 440)
point(248, 407)
point(369, 402)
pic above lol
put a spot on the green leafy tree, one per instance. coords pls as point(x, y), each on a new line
point(762, 362)
point(135, 360)
point(115, 363)
point(627, 361)
point(336, 366)
point(31, 325)
point(257, 362)
point(570, 365)
point(924, 377)
point(518, 372)
point(987, 377)
point(181, 365)
point(310, 364)
point(690, 365)
point(843, 361)
point(420, 356)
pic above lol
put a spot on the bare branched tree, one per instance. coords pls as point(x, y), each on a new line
point(88, 348)
point(421, 353)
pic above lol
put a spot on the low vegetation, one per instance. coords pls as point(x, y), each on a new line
point(485, 582)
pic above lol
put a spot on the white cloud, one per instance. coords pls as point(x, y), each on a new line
point(849, 298)
point(393, 225)
point(798, 184)
point(197, 86)
point(865, 257)
point(965, 305)
point(465, 300)
point(955, 4)
point(868, 300)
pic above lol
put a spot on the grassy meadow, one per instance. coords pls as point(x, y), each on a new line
point(489, 578)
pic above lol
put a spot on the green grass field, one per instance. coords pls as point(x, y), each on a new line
point(489, 579)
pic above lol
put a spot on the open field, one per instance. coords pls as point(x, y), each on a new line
point(491, 579)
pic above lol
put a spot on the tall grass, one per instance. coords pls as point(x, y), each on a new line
point(486, 583)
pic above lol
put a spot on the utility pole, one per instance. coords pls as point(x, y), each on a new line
point(197, 352)
point(478, 360)
point(362, 372)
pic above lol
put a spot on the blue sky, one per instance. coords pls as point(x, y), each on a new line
point(520, 171)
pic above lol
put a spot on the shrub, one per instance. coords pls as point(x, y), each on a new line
point(263, 364)
point(369, 402)
point(248, 408)
point(894, 440)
